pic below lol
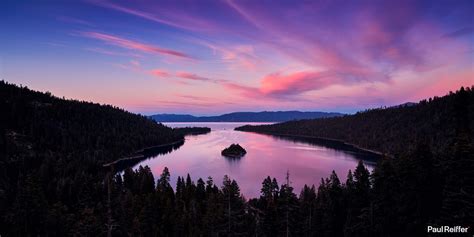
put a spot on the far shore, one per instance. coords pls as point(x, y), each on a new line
point(321, 138)
point(140, 154)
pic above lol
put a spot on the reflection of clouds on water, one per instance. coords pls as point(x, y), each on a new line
point(200, 156)
point(306, 148)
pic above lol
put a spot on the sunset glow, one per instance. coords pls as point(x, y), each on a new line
point(211, 57)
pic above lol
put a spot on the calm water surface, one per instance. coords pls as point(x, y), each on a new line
point(200, 156)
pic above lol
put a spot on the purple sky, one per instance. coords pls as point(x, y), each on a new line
point(211, 57)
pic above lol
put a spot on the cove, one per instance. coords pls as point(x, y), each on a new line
point(307, 160)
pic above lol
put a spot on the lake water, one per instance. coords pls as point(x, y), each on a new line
point(306, 161)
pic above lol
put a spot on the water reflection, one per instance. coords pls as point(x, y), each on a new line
point(368, 157)
point(140, 156)
point(307, 160)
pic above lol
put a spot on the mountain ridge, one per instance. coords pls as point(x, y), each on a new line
point(262, 116)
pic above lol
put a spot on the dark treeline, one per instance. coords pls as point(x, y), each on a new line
point(51, 156)
point(389, 130)
point(52, 182)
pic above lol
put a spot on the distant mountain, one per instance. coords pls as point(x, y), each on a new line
point(407, 104)
point(265, 116)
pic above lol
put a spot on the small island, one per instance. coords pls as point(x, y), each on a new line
point(234, 151)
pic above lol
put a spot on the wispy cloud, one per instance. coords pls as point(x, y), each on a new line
point(243, 56)
point(56, 44)
point(193, 97)
point(460, 32)
point(159, 14)
point(296, 83)
point(133, 45)
point(74, 20)
point(160, 73)
point(192, 76)
point(112, 53)
point(186, 76)
point(132, 65)
point(281, 85)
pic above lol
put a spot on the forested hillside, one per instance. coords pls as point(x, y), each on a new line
point(52, 150)
point(390, 130)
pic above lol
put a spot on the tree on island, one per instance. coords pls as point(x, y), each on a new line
point(234, 151)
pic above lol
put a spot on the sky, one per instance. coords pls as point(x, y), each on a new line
point(211, 57)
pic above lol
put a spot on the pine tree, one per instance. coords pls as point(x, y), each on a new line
point(234, 208)
point(307, 200)
point(166, 204)
point(214, 215)
point(359, 210)
point(287, 207)
point(267, 206)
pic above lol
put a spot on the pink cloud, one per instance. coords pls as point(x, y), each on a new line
point(296, 83)
point(278, 84)
point(191, 76)
point(195, 77)
point(244, 91)
point(134, 45)
point(159, 73)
